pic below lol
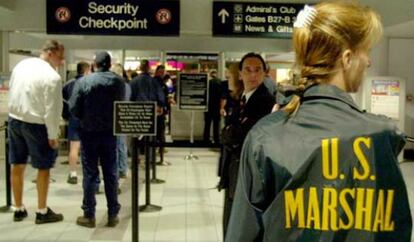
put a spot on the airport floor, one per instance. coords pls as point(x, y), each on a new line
point(191, 206)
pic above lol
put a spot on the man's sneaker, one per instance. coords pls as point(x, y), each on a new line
point(112, 221)
point(49, 217)
point(86, 222)
point(72, 179)
point(19, 215)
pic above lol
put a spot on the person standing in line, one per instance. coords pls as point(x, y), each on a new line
point(213, 113)
point(82, 69)
point(254, 103)
point(321, 168)
point(159, 78)
point(121, 141)
point(92, 102)
point(35, 107)
point(269, 82)
point(145, 88)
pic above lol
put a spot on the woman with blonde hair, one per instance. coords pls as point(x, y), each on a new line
point(322, 169)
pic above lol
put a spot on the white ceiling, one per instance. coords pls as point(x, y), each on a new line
point(29, 17)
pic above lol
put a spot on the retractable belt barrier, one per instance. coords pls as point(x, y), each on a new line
point(7, 207)
point(149, 148)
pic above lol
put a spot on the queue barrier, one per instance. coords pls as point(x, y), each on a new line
point(8, 206)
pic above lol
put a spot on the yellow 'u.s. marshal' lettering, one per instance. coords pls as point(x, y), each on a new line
point(363, 208)
point(330, 163)
point(362, 159)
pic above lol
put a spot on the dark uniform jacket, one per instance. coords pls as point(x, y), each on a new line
point(92, 100)
point(214, 97)
point(259, 104)
point(145, 88)
point(328, 173)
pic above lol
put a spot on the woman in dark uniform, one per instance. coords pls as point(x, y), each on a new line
point(322, 169)
point(230, 141)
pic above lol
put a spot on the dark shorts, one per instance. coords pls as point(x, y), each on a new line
point(27, 139)
point(73, 129)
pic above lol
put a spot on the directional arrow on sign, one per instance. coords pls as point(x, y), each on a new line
point(223, 14)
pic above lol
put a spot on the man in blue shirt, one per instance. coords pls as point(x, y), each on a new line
point(92, 102)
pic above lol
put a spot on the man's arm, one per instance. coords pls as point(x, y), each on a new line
point(53, 102)
point(76, 100)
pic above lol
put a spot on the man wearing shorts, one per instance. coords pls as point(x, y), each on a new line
point(82, 68)
point(35, 106)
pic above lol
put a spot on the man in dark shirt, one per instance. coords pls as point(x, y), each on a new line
point(145, 88)
point(92, 103)
point(82, 68)
point(255, 103)
point(213, 112)
point(159, 78)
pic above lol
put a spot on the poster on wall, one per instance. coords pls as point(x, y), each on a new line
point(192, 91)
point(385, 98)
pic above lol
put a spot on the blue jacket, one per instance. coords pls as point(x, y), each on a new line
point(66, 94)
point(92, 100)
point(145, 88)
point(328, 173)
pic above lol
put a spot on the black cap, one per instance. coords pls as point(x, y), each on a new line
point(103, 60)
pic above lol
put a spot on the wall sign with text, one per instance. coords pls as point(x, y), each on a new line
point(254, 19)
point(113, 17)
point(192, 91)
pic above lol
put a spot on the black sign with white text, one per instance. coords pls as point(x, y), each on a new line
point(253, 19)
point(113, 17)
point(192, 92)
point(135, 118)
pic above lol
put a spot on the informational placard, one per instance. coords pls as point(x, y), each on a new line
point(254, 19)
point(135, 118)
point(385, 98)
point(113, 17)
point(192, 91)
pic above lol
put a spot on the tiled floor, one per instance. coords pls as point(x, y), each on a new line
point(191, 206)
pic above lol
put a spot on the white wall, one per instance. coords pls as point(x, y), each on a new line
point(401, 64)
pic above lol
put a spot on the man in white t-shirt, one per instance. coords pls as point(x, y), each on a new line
point(35, 107)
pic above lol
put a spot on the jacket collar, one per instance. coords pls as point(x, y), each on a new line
point(330, 92)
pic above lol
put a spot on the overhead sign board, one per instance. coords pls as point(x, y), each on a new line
point(192, 91)
point(113, 17)
point(134, 118)
point(254, 19)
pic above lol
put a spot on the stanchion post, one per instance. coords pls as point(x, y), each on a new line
point(148, 207)
point(152, 155)
point(134, 195)
point(7, 208)
point(191, 156)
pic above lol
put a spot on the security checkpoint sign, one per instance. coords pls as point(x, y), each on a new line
point(135, 118)
point(113, 17)
point(254, 19)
